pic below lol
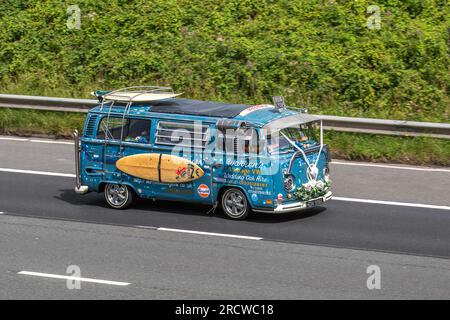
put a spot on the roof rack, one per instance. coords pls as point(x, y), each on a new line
point(136, 94)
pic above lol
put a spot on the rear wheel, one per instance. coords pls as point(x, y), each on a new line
point(118, 196)
point(235, 204)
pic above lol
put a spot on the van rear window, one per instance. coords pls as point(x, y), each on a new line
point(182, 134)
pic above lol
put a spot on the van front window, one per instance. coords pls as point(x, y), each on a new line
point(303, 135)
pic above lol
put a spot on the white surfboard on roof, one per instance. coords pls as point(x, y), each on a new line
point(139, 94)
point(142, 97)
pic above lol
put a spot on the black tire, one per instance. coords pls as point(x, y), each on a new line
point(118, 196)
point(234, 204)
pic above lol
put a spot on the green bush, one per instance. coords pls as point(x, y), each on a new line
point(318, 53)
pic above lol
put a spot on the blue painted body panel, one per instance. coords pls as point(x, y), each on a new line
point(252, 175)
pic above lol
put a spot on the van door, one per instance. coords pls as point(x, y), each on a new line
point(136, 140)
point(110, 129)
point(206, 188)
point(122, 137)
point(237, 163)
point(186, 140)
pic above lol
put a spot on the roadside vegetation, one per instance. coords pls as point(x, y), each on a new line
point(349, 146)
point(317, 53)
point(30, 122)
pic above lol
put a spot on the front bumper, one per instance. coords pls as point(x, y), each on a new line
point(296, 206)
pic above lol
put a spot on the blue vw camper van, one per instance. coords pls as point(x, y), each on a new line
point(148, 142)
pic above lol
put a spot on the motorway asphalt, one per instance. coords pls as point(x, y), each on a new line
point(343, 224)
point(168, 265)
point(303, 255)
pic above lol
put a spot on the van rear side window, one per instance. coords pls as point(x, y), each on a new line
point(129, 130)
point(182, 134)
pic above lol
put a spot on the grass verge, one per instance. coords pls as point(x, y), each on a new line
point(349, 146)
point(32, 122)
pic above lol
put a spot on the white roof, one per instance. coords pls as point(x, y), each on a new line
point(290, 121)
point(127, 96)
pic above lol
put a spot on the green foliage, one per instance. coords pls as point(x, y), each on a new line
point(30, 122)
point(318, 53)
point(366, 147)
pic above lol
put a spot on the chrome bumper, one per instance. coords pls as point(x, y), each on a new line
point(296, 206)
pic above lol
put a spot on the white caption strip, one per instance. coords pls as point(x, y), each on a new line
point(55, 276)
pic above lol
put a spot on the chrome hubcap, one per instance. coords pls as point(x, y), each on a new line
point(117, 194)
point(235, 203)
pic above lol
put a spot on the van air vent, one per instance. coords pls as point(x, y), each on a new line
point(90, 126)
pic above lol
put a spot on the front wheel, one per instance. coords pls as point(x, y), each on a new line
point(118, 196)
point(235, 204)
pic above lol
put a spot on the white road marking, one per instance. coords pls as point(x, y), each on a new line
point(14, 139)
point(1, 212)
point(364, 164)
point(51, 142)
point(55, 276)
point(210, 234)
point(43, 173)
point(35, 140)
point(393, 203)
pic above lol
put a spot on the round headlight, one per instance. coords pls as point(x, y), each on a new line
point(288, 183)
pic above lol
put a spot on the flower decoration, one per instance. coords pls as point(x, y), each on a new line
point(313, 189)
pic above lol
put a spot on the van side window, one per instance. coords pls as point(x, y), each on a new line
point(111, 130)
point(131, 130)
point(138, 131)
point(250, 141)
point(239, 142)
point(182, 134)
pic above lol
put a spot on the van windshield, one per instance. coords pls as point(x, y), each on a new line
point(303, 135)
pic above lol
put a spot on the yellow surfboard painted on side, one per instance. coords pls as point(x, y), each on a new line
point(160, 168)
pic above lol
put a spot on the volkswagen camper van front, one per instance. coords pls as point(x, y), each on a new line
point(303, 176)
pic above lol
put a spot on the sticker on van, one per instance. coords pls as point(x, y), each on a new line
point(203, 191)
point(255, 108)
